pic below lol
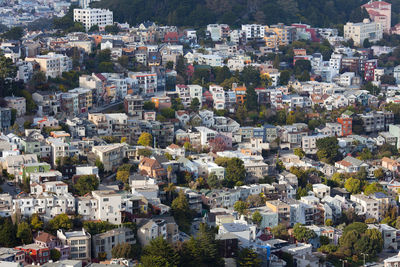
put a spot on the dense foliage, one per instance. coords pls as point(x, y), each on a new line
point(236, 12)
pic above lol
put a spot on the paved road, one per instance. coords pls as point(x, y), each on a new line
point(12, 190)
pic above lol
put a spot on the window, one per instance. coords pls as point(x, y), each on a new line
point(81, 242)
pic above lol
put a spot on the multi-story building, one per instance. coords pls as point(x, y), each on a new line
point(363, 30)
point(373, 121)
point(147, 82)
point(5, 118)
point(79, 242)
point(85, 99)
point(110, 155)
point(17, 103)
point(369, 69)
point(12, 255)
point(253, 31)
point(380, 12)
point(93, 16)
point(281, 208)
point(109, 203)
point(218, 31)
point(368, 206)
point(133, 105)
point(35, 254)
point(104, 242)
point(52, 64)
point(347, 124)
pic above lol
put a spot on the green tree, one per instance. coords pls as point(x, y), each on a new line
point(61, 221)
point(302, 233)
point(280, 231)
point(251, 98)
point(241, 207)
point(234, 170)
point(24, 233)
point(94, 28)
point(86, 184)
point(248, 257)
point(145, 152)
point(122, 250)
point(379, 173)
point(168, 113)
point(257, 217)
point(353, 185)
point(371, 88)
point(99, 165)
point(388, 79)
point(145, 139)
point(284, 77)
point(36, 223)
point(328, 149)
point(55, 255)
point(148, 105)
point(106, 67)
point(159, 253)
point(8, 233)
point(181, 212)
point(14, 33)
point(329, 222)
point(299, 152)
point(113, 29)
point(213, 181)
point(373, 188)
point(195, 104)
point(250, 76)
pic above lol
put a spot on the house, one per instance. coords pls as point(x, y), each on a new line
point(246, 233)
point(47, 240)
point(151, 229)
point(350, 164)
point(79, 242)
point(152, 168)
point(368, 206)
point(321, 190)
point(35, 254)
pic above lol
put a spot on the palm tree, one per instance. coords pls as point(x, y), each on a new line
point(170, 188)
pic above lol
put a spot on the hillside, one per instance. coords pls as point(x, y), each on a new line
point(197, 13)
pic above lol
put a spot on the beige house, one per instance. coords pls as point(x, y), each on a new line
point(110, 155)
point(79, 242)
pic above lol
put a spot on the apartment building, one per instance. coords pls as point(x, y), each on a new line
point(253, 31)
point(93, 16)
point(17, 103)
point(133, 106)
point(147, 82)
point(52, 64)
point(79, 242)
point(373, 122)
point(380, 12)
point(372, 31)
point(5, 118)
point(109, 206)
point(368, 206)
point(104, 242)
point(110, 155)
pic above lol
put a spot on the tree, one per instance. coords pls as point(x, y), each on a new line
point(36, 223)
point(148, 105)
point(248, 257)
point(280, 231)
point(234, 170)
point(213, 181)
point(250, 76)
point(388, 79)
point(144, 152)
point(299, 152)
point(61, 221)
point(122, 250)
point(168, 113)
point(323, 240)
point(99, 165)
point(106, 67)
point(94, 28)
point(284, 77)
point(302, 233)
point(55, 255)
point(145, 139)
point(257, 217)
point(329, 222)
point(373, 188)
point(371, 88)
point(169, 65)
point(86, 184)
point(302, 66)
point(217, 144)
point(113, 29)
point(251, 98)
point(7, 233)
point(328, 149)
point(366, 43)
point(379, 173)
point(195, 104)
point(159, 253)
point(181, 212)
point(353, 185)
point(14, 33)
point(24, 233)
point(241, 207)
